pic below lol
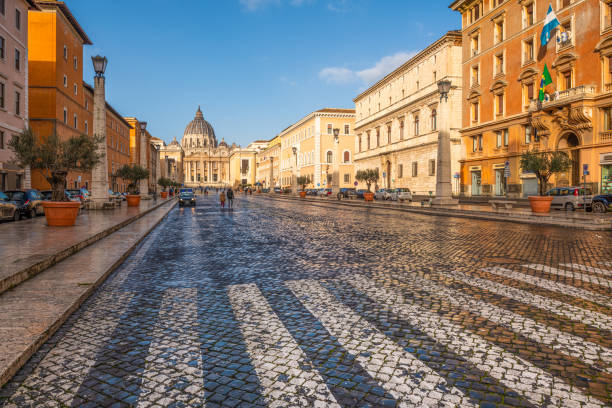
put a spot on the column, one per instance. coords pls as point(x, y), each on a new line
point(444, 192)
point(144, 184)
point(99, 174)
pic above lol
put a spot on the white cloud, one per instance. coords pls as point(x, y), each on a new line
point(385, 65)
point(339, 6)
point(254, 5)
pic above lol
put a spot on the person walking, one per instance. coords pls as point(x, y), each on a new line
point(230, 198)
point(222, 198)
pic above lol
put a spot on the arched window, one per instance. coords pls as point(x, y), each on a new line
point(434, 119)
point(347, 156)
point(330, 157)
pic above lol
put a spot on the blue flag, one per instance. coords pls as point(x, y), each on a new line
point(550, 23)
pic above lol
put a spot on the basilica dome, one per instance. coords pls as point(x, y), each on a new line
point(199, 133)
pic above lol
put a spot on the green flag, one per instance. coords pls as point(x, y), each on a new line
point(544, 82)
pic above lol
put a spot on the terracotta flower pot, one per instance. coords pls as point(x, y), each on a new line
point(368, 196)
point(133, 200)
point(164, 194)
point(540, 204)
point(302, 194)
point(60, 213)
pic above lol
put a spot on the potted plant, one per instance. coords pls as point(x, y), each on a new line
point(368, 176)
point(164, 183)
point(302, 181)
point(544, 165)
point(55, 158)
point(134, 173)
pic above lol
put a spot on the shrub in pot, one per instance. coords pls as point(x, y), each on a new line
point(544, 165)
point(368, 176)
point(55, 158)
point(164, 183)
point(302, 181)
point(134, 173)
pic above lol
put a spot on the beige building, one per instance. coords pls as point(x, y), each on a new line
point(171, 161)
point(398, 118)
point(267, 164)
point(308, 149)
point(242, 167)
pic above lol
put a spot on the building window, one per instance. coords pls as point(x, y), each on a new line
point(529, 133)
point(401, 124)
point(564, 35)
point(477, 143)
point(368, 136)
point(415, 169)
point(75, 88)
point(329, 157)
point(17, 60)
point(2, 47)
point(347, 156)
point(76, 122)
point(400, 170)
point(564, 3)
point(528, 15)
point(347, 129)
point(377, 137)
point(2, 140)
point(86, 127)
point(499, 31)
point(347, 178)
point(17, 103)
point(359, 138)
point(75, 62)
point(607, 119)
point(528, 50)
point(65, 53)
point(528, 93)
point(474, 13)
point(475, 111)
point(18, 19)
point(434, 120)
point(499, 104)
point(417, 85)
point(65, 81)
point(475, 75)
point(435, 76)
point(388, 134)
point(330, 129)
point(65, 115)
point(416, 125)
point(475, 44)
point(432, 167)
point(498, 139)
point(2, 95)
point(566, 80)
point(499, 64)
point(86, 104)
point(3, 7)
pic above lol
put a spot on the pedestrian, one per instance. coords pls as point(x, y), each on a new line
point(222, 199)
point(250, 191)
point(230, 198)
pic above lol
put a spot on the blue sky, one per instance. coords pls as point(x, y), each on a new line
point(254, 66)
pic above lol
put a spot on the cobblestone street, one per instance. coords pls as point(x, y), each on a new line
point(282, 304)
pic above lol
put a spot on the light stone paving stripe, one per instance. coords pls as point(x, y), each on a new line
point(275, 354)
point(135, 259)
point(174, 356)
point(387, 362)
point(538, 386)
point(590, 268)
point(570, 274)
point(550, 285)
point(568, 311)
point(591, 353)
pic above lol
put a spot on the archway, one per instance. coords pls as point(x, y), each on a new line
point(570, 143)
point(388, 171)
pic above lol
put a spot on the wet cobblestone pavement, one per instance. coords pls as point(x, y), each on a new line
point(286, 304)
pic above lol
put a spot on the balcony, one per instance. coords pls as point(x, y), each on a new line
point(608, 87)
point(606, 135)
point(563, 97)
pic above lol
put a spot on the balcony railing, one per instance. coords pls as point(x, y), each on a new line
point(608, 87)
point(606, 135)
point(562, 97)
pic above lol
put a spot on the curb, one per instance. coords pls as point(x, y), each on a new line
point(21, 276)
point(7, 372)
point(604, 226)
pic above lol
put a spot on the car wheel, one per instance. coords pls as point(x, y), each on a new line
point(16, 216)
point(599, 207)
point(569, 207)
point(31, 213)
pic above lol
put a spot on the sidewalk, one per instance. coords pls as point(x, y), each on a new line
point(35, 309)
point(560, 218)
point(30, 246)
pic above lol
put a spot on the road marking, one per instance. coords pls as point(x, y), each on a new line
point(173, 365)
point(550, 285)
point(570, 274)
point(590, 268)
point(566, 310)
point(386, 361)
point(570, 345)
point(271, 348)
point(538, 386)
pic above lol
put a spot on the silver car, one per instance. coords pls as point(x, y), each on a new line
point(400, 194)
point(381, 194)
point(570, 198)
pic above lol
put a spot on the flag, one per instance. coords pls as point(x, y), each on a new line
point(544, 82)
point(550, 23)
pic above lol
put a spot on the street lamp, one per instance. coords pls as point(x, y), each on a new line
point(336, 161)
point(444, 195)
point(294, 172)
point(99, 64)
point(144, 184)
point(336, 133)
point(143, 126)
point(99, 174)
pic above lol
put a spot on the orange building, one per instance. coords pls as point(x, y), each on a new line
point(502, 115)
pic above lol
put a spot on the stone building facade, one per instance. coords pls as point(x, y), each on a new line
point(398, 118)
point(503, 62)
point(268, 164)
point(171, 161)
point(308, 149)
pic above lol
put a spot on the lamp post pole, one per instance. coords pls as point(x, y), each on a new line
point(99, 174)
point(294, 171)
point(336, 164)
point(270, 184)
point(144, 184)
point(444, 192)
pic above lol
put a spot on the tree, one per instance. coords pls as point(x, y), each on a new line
point(55, 158)
point(544, 165)
point(165, 183)
point(368, 176)
point(134, 173)
point(302, 181)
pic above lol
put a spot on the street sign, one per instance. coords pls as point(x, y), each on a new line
point(456, 175)
point(318, 184)
point(507, 169)
point(384, 174)
point(79, 179)
point(585, 169)
point(356, 184)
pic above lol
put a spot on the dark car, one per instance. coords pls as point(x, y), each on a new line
point(347, 192)
point(28, 201)
point(278, 190)
point(287, 190)
point(359, 193)
point(311, 191)
point(46, 195)
point(9, 210)
point(602, 203)
point(186, 198)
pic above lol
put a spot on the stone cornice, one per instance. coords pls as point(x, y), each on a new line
point(323, 113)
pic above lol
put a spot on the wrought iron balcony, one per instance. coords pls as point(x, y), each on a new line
point(563, 97)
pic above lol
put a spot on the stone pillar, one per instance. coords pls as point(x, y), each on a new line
point(99, 174)
point(144, 184)
point(444, 192)
point(271, 183)
point(209, 170)
point(336, 169)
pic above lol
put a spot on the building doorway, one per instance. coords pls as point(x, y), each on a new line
point(570, 144)
point(500, 189)
point(476, 182)
point(388, 172)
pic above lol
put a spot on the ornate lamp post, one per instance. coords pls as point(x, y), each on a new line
point(144, 184)
point(294, 171)
point(336, 164)
point(99, 174)
point(444, 194)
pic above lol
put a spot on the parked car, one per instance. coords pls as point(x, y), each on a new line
point(28, 201)
point(324, 192)
point(311, 191)
point(570, 198)
point(187, 198)
point(359, 193)
point(381, 194)
point(265, 190)
point(74, 196)
point(46, 195)
point(346, 192)
point(602, 203)
point(399, 194)
point(287, 190)
point(9, 210)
